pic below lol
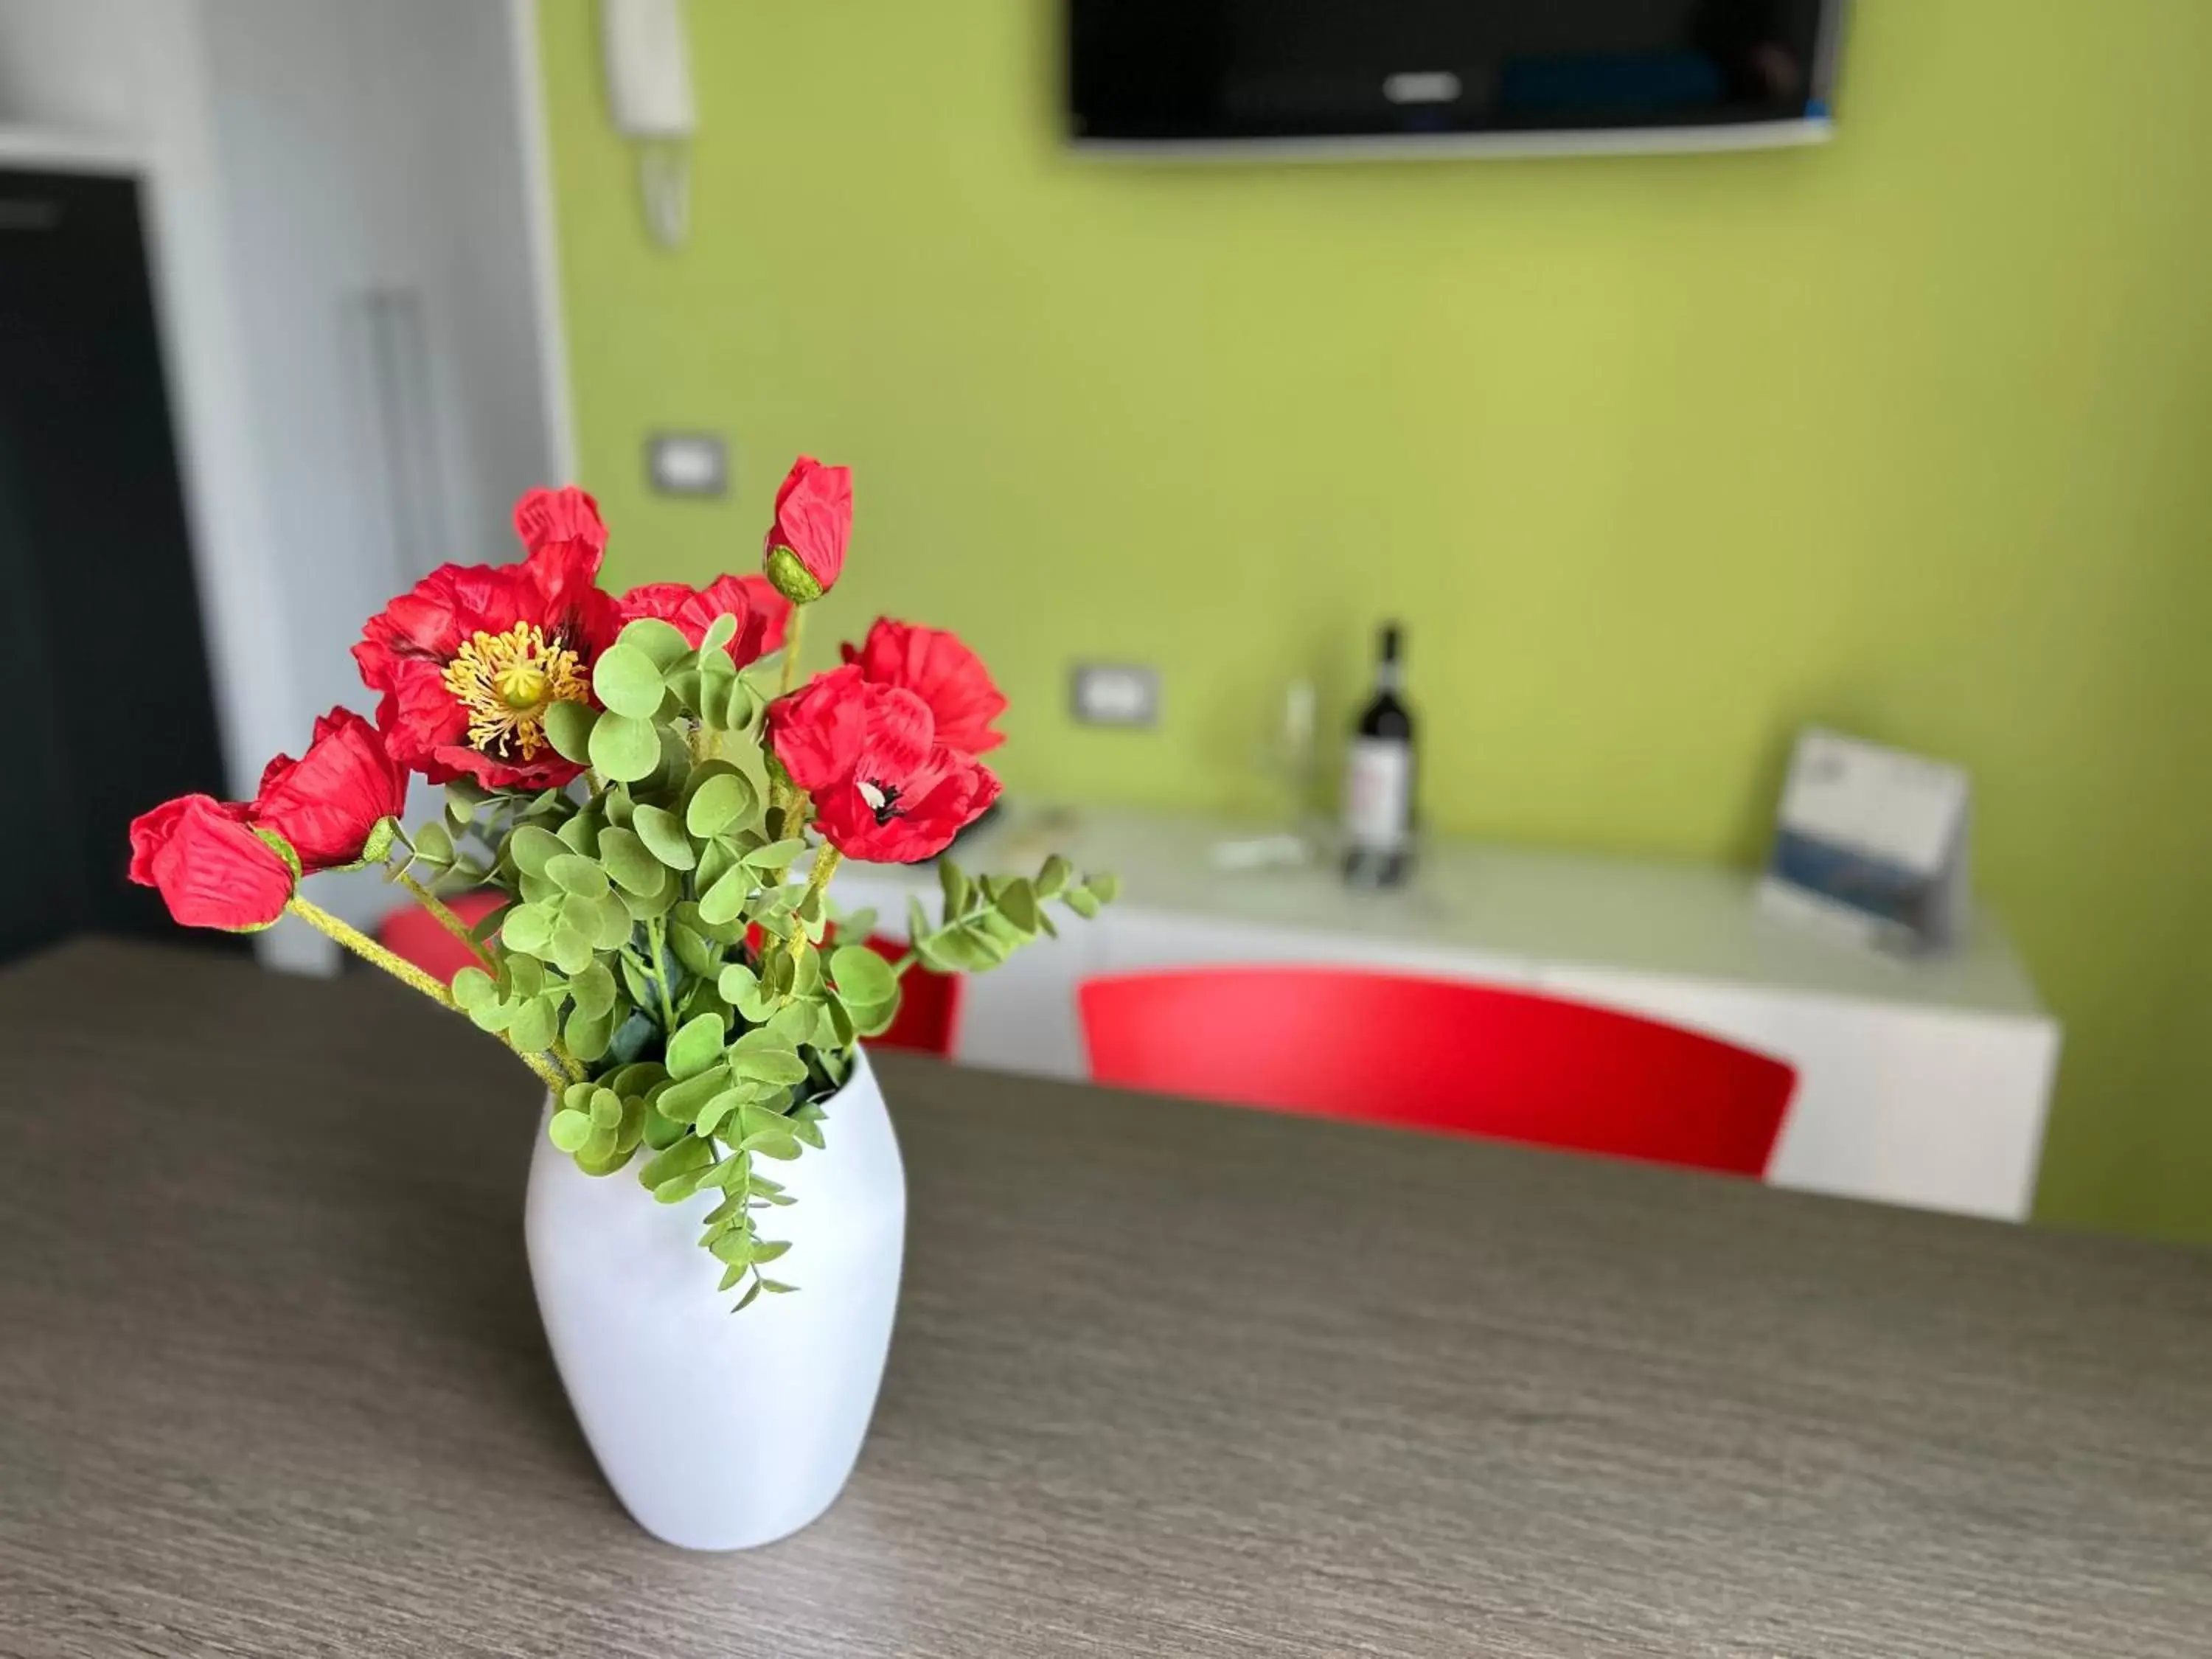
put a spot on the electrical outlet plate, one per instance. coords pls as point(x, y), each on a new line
point(1114, 694)
point(687, 463)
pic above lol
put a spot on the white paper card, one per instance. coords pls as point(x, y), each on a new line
point(1873, 841)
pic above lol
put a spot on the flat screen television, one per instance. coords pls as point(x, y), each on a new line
point(1333, 77)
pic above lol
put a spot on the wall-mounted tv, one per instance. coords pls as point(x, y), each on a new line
point(1347, 78)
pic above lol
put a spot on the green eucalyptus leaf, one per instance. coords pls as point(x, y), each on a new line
point(699, 954)
point(778, 1065)
point(575, 874)
point(1080, 900)
point(434, 844)
point(712, 1114)
point(741, 988)
point(611, 924)
point(528, 928)
point(594, 990)
point(956, 887)
point(568, 1130)
point(861, 977)
point(684, 1157)
point(660, 641)
point(568, 729)
point(695, 1048)
point(569, 949)
point(491, 1015)
point(533, 846)
point(532, 1029)
point(806, 972)
point(642, 907)
point(587, 1035)
point(776, 855)
point(628, 681)
point(464, 798)
point(719, 632)
point(1017, 904)
point(661, 1131)
point(793, 1023)
point(625, 748)
point(581, 833)
point(718, 802)
point(662, 832)
point(725, 899)
point(1105, 888)
point(470, 986)
point(683, 1102)
point(626, 859)
point(1054, 876)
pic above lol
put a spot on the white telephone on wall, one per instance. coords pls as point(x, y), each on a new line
point(649, 96)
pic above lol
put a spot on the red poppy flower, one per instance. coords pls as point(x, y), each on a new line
point(211, 867)
point(943, 673)
point(884, 787)
point(328, 802)
point(562, 518)
point(762, 612)
point(470, 660)
point(805, 545)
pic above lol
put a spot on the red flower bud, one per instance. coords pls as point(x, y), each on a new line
point(328, 802)
point(884, 787)
point(805, 546)
point(213, 870)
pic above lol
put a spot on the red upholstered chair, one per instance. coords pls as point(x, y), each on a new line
point(1437, 1055)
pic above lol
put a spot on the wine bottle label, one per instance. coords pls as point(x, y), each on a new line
point(1378, 794)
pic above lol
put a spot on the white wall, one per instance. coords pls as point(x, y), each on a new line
point(343, 213)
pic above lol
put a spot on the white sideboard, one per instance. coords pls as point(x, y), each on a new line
point(1924, 1082)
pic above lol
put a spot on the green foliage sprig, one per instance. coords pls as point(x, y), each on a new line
point(662, 949)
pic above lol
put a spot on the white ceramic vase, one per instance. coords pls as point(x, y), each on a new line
point(720, 1431)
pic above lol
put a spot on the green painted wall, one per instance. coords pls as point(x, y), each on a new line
point(1660, 456)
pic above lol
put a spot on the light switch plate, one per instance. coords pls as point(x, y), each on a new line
point(687, 463)
point(1114, 694)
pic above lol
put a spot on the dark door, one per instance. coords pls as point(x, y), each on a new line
point(108, 708)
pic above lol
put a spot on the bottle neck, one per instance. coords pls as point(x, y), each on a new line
point(1389, 676)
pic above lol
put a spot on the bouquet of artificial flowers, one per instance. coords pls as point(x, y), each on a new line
point(661, 805)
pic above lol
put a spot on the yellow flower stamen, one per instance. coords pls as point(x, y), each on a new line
point(507, 681)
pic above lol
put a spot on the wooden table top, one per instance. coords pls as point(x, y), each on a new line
point(1168, 1380)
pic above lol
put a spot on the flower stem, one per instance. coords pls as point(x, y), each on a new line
point(653, 937)
point(407, 973)
point(445, 919)
point(825, 865)
point(568, 1062)
point(791, 633)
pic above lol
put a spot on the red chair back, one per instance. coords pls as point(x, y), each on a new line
point(1436, 1055)
point(929, 1020)
point(413, 933)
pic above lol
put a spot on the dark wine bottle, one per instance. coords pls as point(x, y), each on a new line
point(1379, 779)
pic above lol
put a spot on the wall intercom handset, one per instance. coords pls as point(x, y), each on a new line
point(649, 96)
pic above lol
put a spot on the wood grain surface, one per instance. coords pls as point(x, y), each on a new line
point(1168, 1380)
